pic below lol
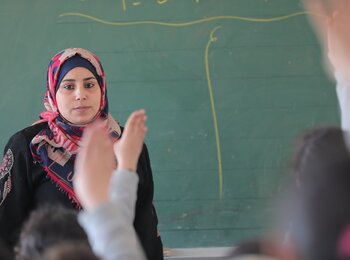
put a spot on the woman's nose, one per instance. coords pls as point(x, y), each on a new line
point(80, 93)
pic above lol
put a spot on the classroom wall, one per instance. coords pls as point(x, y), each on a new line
point(227, 86)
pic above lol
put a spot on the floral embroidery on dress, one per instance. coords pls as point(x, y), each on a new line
point(5, 175)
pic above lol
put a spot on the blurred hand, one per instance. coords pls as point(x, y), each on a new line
point(95, 161)
point(94, 166)
point(127, 150)
point(331, 20)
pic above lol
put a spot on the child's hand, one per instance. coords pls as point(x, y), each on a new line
point(127, 150)
point(331, 20)
point(93, 166)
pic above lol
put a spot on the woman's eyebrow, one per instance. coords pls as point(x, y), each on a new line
point(89, 78)
point(84, 79)
point(68, 80)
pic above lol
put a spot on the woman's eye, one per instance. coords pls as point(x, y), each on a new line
point(68, 87)
point(89, 85)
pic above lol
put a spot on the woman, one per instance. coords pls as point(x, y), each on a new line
point(38, 163)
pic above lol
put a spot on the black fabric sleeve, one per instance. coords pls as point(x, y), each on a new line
point(15, 189)
point(146, 220)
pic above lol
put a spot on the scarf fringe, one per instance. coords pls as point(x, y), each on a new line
point(64, 188)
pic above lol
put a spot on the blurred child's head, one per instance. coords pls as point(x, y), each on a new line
point(320, 209)
point(48, 226)
point(317, 148)
point(69, 251)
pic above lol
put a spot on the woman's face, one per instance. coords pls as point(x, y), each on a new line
point(78, 96)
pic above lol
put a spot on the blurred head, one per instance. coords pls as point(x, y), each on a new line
point(69, 251)
point(317, 148)
point(48, 226)
point(319, 207)
point(322, 215)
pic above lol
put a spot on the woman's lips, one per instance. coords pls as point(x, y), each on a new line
point(81, 109)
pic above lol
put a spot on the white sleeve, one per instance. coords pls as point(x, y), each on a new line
point(343, 93)
point(110, 226)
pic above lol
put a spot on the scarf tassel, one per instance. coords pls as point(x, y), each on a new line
point(63, 187)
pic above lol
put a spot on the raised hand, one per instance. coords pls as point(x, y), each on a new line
point(95, 161)
point(331, 20)
point(94, 166)
point(128, 148)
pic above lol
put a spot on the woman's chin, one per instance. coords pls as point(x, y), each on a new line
point(81, 122)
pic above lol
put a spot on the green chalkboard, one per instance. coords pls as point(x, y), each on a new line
point(227, 85)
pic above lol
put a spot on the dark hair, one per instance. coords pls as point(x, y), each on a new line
point(317, 148)
point(5, 252)
point(47, 226)
point(321, 203)
point(69, 251)
point(323, 213)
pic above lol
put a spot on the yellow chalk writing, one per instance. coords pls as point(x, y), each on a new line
point(213, 39)
point(189, 23)
point(124, 5)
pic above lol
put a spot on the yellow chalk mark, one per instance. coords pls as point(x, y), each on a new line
point(136, 3)
point(162, 1)
point(213, 39)
point(124, 5)
point(190, 23)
